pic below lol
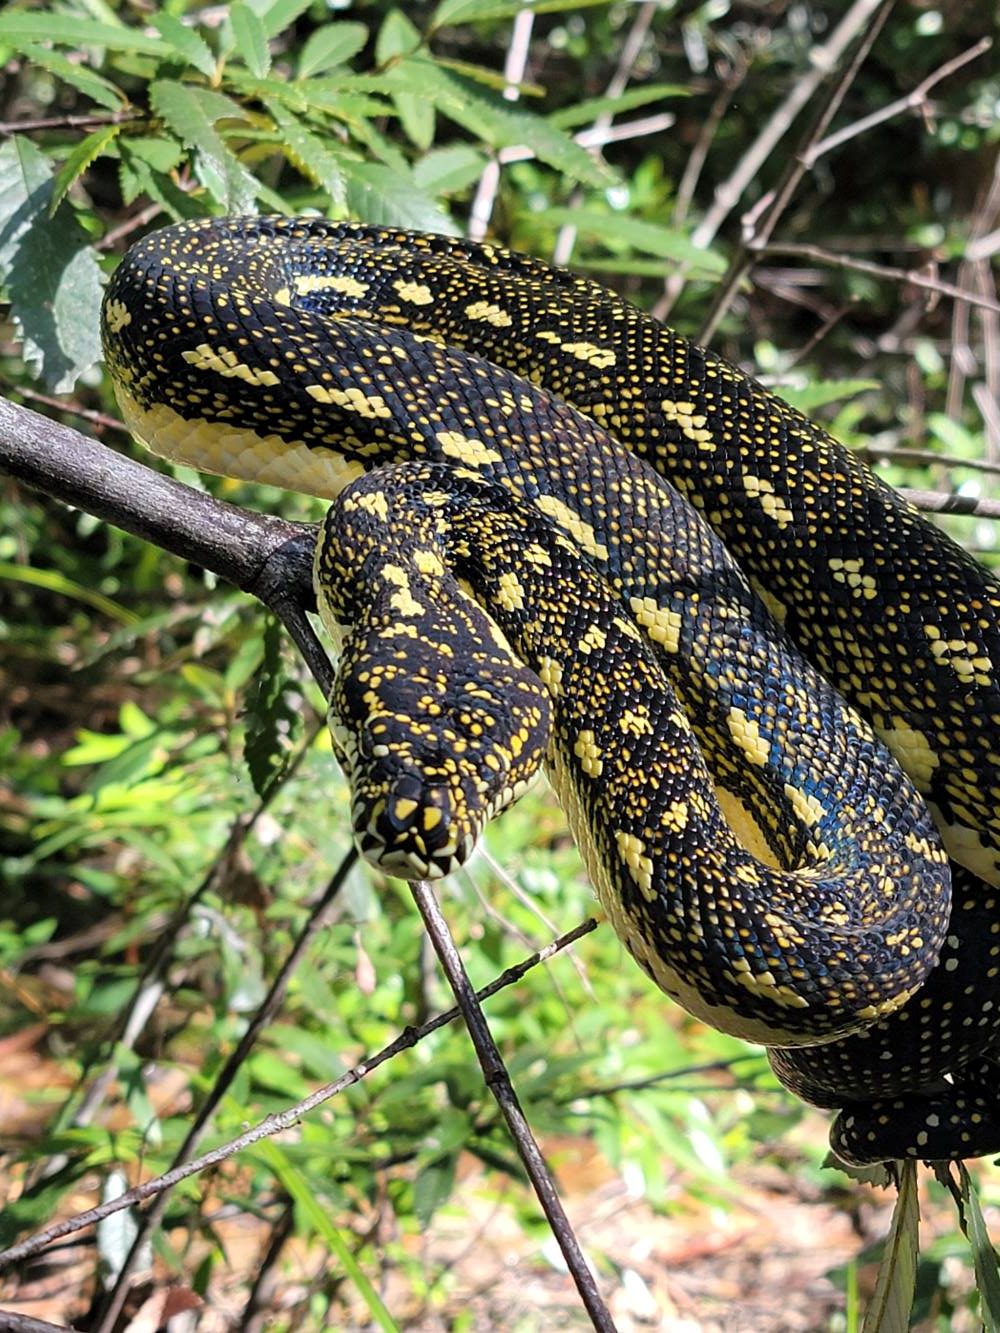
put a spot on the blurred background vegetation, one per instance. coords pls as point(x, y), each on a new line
point(153, 886)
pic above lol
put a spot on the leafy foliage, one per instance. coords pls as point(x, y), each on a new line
point(137, 697)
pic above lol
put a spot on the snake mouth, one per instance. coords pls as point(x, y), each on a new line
point(414, 831)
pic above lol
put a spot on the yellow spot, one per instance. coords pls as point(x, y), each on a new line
point(467, 449)
point(635, 721)
point(117, 316)
point(432, 816)
point(538, 556)
point(746, 734)
point(691, 423)
point(403, 808)
point(402, 600)
point(509, 594)
point(428, 562)
point(329, 282)
point(550, 673)
point(632, 852)
point(747, 830)
point(762, 490)
point(600, 357)
point(593, 640)
point(372, 406)
point(661, 624)
point(588, 752)
point(774, 604)
point(807, 807)
point(417, 293)
point(374, 502)
point(675, 817)
point(570, 521)
point(224, 361)
point(912, 749)
point(489, 313)
point(849, 573)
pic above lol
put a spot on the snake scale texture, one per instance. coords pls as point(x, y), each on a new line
point(764, 688)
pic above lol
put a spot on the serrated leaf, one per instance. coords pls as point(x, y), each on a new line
point(84, 80)
point(984, 1256)
point(380, 195)
point(309, 153)
point(495, 123)
point(275, 715)
point(21, 25)
point(891, 1302)
point(251, 40)
point(49, 272)
point(808, 397)
point(665, 242)
point(279, 15)
point(586, 112)
point(160, 153)
point(190, 113)
point(433, 1187)
point(186, 42)
point(398, 36)
point(138, 177)
point(454, 12)
point(446, 170)
point(85, 152)
point(332, 45)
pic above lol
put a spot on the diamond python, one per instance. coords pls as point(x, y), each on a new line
point(540, 499)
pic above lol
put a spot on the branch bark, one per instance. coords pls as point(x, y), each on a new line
point(265, 556)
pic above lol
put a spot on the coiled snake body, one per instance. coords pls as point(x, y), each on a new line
point(547, 570)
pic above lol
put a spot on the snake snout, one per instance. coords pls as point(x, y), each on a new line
point(414, 828)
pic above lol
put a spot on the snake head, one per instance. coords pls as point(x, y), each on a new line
point(432, 756)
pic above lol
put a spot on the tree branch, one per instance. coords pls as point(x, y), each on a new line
point(266, 556)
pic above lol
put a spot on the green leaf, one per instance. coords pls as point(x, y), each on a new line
point(492, 120)
point(275, 716)
point(156, 151)
point(85, 152)
point(399, 37)
point(454, 12)
point(309, 153)
point(49, 272)
point(334, 44)
point(276, 17)
point(186, 42)
point(18, 26)
point(810, 396)
point(84, 80)
point(316, 1218)
point(137, 176)
point(586, 112)
point(891, 1302)
point(984, 1257)
point(53, 580)
point(433, 1187)
point(378, 194)
point(447, 170)
point(190, 113)
point(608, 228)
point(251, 39)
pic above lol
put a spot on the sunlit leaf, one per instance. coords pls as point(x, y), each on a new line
point(889, 1308)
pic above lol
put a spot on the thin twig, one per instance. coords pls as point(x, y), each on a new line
point(265, 1013)
point(822, 60)
point(281, 1120)
point(913, 101)
point(924, 458)
point(946, 502)
point(498, 1081)
point(774, 206)
point(631, 48)
point(513, 72)
point(834, 260)
point(85, 122)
